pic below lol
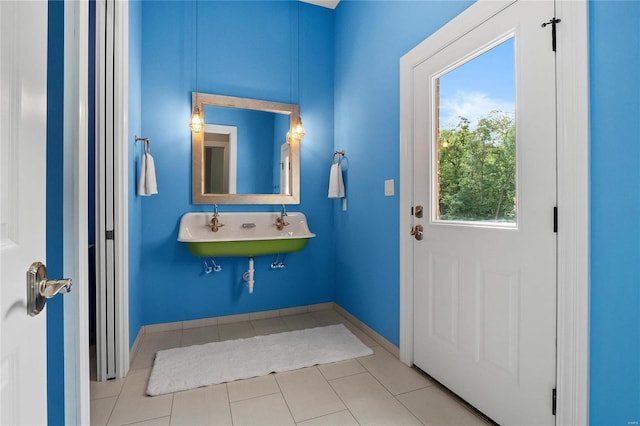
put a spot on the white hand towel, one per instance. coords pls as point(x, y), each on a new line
point(147, 182)
point(336, 184)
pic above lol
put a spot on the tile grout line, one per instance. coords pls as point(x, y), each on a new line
point(334, 391)
point(173, 398)
point(342, 400)
point(409, 409)
point(284, 399)
point(346, 375)
point(390, 393)
point(146, 420)
point(226, 387)
point(115, 403)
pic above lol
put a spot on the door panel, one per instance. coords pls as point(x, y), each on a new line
point(23, 107)
point(443, 297)
point(497, 310)
point(485, 270)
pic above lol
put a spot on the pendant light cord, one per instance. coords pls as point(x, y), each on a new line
point(298, 48)
point(197, 10)
point(299, 128)
point(196, 123)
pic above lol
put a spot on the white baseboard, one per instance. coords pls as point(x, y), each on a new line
point(227, 319)
point(369, 331)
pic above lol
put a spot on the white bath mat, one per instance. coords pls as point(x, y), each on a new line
point(202, 365)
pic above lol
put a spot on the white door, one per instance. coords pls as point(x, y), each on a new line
point(485, 268)
point(23, 109)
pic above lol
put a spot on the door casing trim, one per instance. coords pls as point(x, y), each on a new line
point(75, 214)
point(572, 73)
point(118, 125)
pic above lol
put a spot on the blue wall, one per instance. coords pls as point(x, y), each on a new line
point(615, 209)
point(371, 36)
point(246, 49)
point(54, 308)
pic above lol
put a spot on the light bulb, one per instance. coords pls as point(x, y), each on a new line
point(298, 130)
point(196, 120)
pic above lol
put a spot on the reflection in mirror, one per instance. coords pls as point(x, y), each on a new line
point(220, 147)
point(243, 156)
point(261, 135)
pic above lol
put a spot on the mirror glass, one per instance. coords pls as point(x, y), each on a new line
point(243, 155)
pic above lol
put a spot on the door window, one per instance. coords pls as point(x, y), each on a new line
point(475, 140)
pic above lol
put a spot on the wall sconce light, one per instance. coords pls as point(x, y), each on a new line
point(196, 123)
point(298, 130)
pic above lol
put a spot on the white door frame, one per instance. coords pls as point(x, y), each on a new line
point(572, 72)
point(118, 125)
point(121, 170)
point(75, 214)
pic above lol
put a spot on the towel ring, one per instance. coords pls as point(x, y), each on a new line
point(145, 141)
point(340, 154)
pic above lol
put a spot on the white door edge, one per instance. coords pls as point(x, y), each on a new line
point(573, 194)
point(121, 186)
point(75, 215)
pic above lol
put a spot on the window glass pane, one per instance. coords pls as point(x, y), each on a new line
point(476, 139)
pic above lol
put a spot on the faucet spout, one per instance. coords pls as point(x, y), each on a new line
point(215, 223)
point(280, 222)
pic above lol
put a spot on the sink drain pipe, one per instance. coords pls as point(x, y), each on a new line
point(248, 276)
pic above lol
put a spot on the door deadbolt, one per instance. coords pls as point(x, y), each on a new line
point(419, 210)
point(39, 288)
point(416, 231)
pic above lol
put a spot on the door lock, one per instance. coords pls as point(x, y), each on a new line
point(419, 210)
point(417, 232)
point(39, 288)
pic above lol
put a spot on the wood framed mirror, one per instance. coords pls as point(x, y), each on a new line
point(244, 154)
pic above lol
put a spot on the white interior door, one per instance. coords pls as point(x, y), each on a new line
point(23, 103)
point(485, 268)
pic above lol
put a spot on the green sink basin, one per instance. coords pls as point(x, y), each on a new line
point(243, 234)
point(246, 248)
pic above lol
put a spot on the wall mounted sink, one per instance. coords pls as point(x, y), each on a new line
point(243, 234)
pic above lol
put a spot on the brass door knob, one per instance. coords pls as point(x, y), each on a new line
point(416, 231)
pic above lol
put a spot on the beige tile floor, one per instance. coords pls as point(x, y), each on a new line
point(372, 390)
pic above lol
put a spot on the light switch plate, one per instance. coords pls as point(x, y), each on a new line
point(389, 188)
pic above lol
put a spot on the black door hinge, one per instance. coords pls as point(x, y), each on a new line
point(553, 402)
point(109, 235)
point(555, 219)
point(553, 21)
